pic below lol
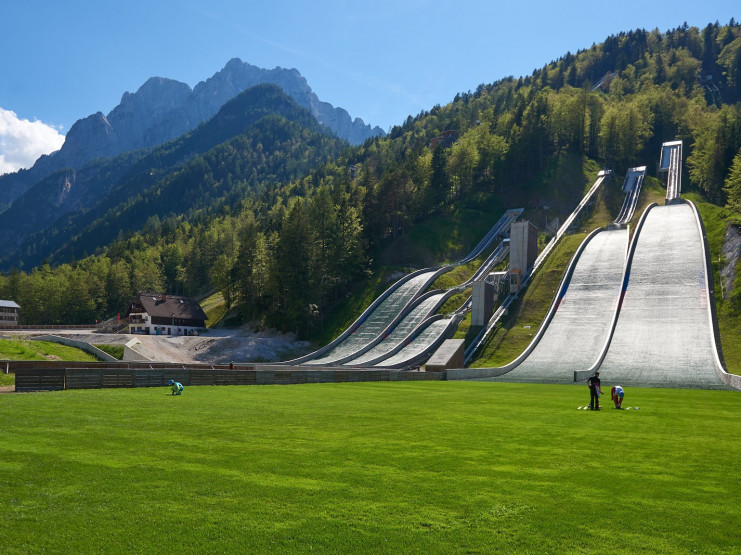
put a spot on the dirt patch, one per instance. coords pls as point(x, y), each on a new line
point(731, 255)
point(250, 346)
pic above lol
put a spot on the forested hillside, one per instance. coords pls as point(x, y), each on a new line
point(285, 252)
point(257, 139)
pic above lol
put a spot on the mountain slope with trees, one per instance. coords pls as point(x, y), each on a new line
point(261, 135)
point(290, 255)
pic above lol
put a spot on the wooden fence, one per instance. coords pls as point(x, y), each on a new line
point(41, 377)
point(30, 327)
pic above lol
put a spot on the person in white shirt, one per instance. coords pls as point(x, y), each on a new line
point(617, 394)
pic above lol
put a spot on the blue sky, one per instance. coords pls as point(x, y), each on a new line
point(380, 60)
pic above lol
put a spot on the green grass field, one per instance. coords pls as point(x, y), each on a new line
point(425, 467)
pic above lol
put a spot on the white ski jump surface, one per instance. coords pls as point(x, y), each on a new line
point(663, 336)
point(580, 326)
point(400, 332)
point(418, 346)
point(376, 321)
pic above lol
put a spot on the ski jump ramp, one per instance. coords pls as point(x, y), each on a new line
point(377, 320)
point(664, 335)
point(662, 332)
point(632, 188)
point(383, 315)
point(579, 321)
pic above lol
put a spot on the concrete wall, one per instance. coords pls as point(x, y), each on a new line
point(448, 355)
point(131, 355)
point(37, 379)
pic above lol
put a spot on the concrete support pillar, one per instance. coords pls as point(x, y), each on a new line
point(482, 306)
point(523, 246)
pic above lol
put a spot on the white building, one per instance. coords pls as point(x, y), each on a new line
point(9, 312)
point(157, 314)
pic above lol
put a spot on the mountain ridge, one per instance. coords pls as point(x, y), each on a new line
point(163, 109)
point(45, 216)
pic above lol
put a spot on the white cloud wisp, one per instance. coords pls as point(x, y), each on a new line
point(23, 141)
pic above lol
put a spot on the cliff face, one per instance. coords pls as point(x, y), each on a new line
point(163, 109)
point(157, 112)
point(211, 94)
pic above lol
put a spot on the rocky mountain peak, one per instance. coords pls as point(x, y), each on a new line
point(162, 109)
point(89, 138)
point(157, 91)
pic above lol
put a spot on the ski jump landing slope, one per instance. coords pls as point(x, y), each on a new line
point(581, 317)
point(664, 336)
point(378, 319)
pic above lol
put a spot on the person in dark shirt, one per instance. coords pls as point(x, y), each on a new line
point(595, 390)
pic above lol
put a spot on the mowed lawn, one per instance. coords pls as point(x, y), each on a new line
point(426, 467)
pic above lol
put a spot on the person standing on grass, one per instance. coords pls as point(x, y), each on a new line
point(595, 390)
point(177, 388)
point(617, 394)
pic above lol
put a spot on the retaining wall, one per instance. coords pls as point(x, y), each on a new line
point(45, 379)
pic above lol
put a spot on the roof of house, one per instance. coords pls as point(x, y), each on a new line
point(8, 304)
point(169, 306)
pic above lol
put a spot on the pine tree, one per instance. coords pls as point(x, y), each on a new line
point(732, 187)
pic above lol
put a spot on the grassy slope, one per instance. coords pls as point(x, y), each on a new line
point(445, 467)
point(451, 237)
point(11, 349)
point(215, 309)
point(113, 350)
